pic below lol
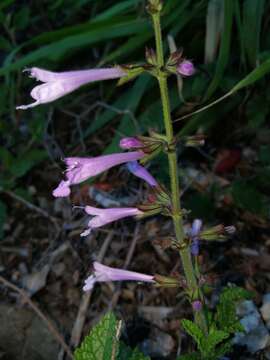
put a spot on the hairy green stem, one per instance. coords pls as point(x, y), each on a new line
point(189, 271)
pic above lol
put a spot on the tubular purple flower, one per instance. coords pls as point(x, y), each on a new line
point(60, 84)
point(130, 143)
point(80, 169)
point(196, 227)
point(104, 273)
point(138, 170)
point(106, 216)
point(194, 234)
point(186, 68)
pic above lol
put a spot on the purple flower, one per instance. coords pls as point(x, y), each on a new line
point(197, 305)
point(59, 84)
point(194, 234)
point(104, 273)
point(80, 169)
point(130, 143)
point(186, 68)
point(105, 216)
point(140, 171)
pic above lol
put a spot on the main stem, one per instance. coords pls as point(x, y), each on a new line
point(173, 169)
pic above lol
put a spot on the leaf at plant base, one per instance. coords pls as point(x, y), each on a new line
point(126, 353)
point(101, 343)
point(213, 339)
point(226, 317)
point(223, 349)
point(193, 330)
point(3, 216)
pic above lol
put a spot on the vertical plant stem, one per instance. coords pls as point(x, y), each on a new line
point(174, 178)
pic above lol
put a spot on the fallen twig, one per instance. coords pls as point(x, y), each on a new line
point(33, 207)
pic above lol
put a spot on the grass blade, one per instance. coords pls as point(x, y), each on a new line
point(224, 51)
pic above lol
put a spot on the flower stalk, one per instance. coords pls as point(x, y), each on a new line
point(189, 271)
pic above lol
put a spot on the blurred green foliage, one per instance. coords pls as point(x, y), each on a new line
point(228, 40)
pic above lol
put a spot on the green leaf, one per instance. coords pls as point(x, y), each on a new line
point(5, 44)
point(250, 79)
point(226, 317)
point(247, 197)
point(212, 340)
point(113, 28)
point(224, 51)
point(101, 344)
point(126, 353)
point(119, 8)
point(5, 3)
point(223, 349)
point(194, 331)
point(214, 20)
point(252, 19)
point(21, 18)
point(3, 216)
point(137, 355)
point(26, 161)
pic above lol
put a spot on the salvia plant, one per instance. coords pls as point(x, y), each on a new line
point(210, 330)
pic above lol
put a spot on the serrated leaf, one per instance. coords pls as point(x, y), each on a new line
point(137, 355)
point(126, 353)
point(226, 317)
point(212, 340)
point(101, 343)
point(223, 349)
point(193, 330)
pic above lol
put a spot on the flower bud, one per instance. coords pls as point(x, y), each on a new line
point(130, 143)
point(154, 6)
point(197, 305)
point(195, 140)
point(151, 56)
point(186, 68)
point(219, 233)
